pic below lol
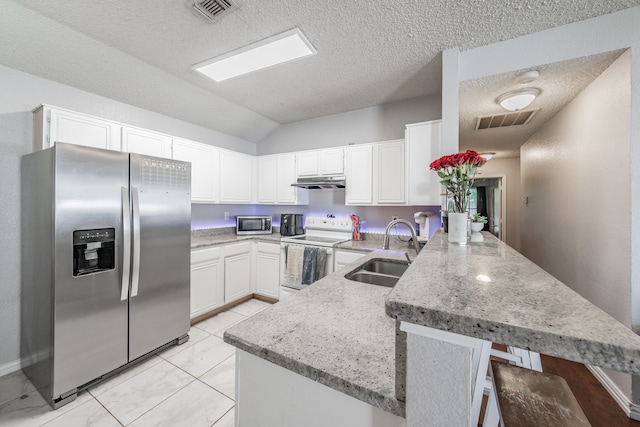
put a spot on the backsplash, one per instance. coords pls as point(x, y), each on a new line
point(321, 203)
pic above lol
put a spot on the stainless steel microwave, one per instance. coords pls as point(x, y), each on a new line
point(247, 225)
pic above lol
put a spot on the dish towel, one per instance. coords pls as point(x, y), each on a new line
point(309, 265)
point(294, 260)
point(321, 263)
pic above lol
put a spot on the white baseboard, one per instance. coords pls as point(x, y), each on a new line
point(10, 367)
point(630, 409)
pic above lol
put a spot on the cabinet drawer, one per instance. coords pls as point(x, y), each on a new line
point(347, 257)
point(203, 255)
point(238, 248)
point(269, 248)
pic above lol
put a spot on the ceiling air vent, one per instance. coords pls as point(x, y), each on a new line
point(213, 9)
point(516, 118)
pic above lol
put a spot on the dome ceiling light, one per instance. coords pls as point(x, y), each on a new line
point(518, 99)
point(487, 156)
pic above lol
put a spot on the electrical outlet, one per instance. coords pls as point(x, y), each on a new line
point(226, 216)
point(394, 217)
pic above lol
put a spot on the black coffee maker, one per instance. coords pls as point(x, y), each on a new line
point(291, 224)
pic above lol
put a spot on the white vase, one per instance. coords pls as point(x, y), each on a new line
point(477, 226)
point(458, 228)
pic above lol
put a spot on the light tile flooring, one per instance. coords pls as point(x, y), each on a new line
point(188, 385)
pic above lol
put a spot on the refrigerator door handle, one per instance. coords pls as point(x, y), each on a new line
point(126, 247)
point(135, 277)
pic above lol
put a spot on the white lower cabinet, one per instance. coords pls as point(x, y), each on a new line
point(237, 271)
point(344, 258)
point(207, 280)
point(225, 273)
point(268, 269)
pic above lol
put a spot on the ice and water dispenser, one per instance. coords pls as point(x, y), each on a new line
point(93, 251)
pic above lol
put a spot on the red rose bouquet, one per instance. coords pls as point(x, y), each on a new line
point(457, 173)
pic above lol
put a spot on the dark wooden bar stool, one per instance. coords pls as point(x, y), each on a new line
point(528, 398)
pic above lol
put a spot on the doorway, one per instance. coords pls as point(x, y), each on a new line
point(488, 199)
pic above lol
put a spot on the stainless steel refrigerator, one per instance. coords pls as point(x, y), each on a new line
point(105, 263)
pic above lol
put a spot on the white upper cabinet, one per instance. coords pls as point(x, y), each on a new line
point(285, 176)
point(276, 173)
point(324, 162)
point(359, 175)
point(307, 163)
point(332, 161)
point(145, 142)
point(423, 147)
point(376, 174)
point(57, 125)
point(236, 177)
point(389, 175)
point(267, 179)
point(205, 161)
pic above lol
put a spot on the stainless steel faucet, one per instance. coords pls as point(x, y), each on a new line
point(385, 244)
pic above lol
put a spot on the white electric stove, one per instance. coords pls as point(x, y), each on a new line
point(321, 232)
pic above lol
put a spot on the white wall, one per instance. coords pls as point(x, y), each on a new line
point(379, 123)
point(21, 93)
point(597, 35)
point(576, 174)
point(510, 169)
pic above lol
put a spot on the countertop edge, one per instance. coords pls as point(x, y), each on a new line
point(334, 382)
point(620, 341)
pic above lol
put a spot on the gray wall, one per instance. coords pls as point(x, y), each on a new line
point(21, 93)
point(379, 123)
point(576, 174)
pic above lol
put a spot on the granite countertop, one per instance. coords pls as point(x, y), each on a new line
point(334, 332)
point(522, 305)
point(220, 236)
point(373, 242)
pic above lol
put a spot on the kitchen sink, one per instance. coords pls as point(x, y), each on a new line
point(379, 271)
point(386, 266)
point(373, 278)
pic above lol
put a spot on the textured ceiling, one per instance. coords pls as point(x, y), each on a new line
point(559, 83)
point(369, 51)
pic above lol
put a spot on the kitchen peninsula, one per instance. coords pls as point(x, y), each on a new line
point(334, 337)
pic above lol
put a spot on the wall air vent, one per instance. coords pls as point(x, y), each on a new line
point(214, 9)
point(516, 118)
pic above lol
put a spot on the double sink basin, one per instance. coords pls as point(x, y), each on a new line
point(379, 271)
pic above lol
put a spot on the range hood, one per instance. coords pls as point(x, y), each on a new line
point(320, 182)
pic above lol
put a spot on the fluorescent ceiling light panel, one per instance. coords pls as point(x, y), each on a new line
point(275, 50)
